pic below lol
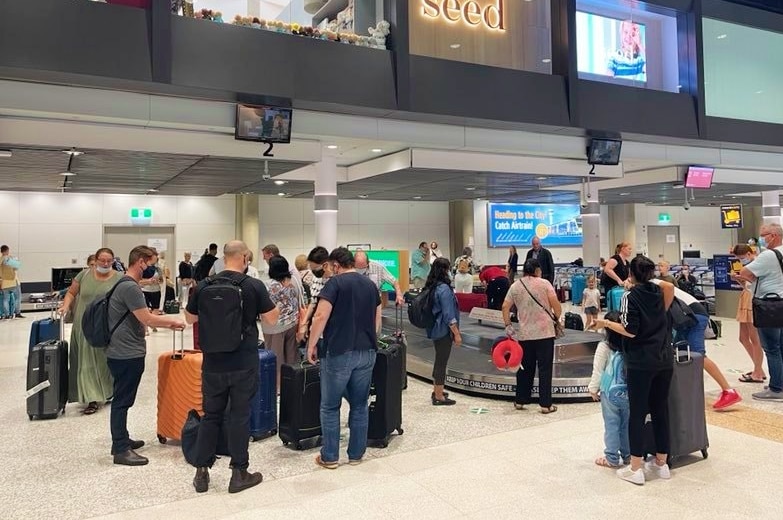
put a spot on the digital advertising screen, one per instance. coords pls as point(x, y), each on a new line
point(517, 224)
point(731, 216)
point(611, 47)
point(699, 177)
point(264, 124)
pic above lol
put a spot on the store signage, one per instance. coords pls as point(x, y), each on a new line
point(388, 259)
point(468, 12)
point(517, 224)
point(731, 216)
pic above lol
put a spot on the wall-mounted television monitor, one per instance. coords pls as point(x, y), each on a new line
point(604, 151)
point(265, 124)
point(611, 47)
point(699, 177)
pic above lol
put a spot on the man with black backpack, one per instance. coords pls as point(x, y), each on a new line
point(126, 319)
point(226, 308)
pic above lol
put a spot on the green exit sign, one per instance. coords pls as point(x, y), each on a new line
point(664, 218)
point(141, 213)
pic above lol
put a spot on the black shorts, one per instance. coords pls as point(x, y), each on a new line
point(592, 311)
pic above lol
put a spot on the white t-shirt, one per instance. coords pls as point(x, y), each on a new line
point(591, 298)
point(767, 270)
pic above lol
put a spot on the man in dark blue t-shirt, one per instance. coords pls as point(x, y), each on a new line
point(347, 315)
point(231, 375)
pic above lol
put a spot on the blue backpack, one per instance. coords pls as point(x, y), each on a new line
point(613, 384)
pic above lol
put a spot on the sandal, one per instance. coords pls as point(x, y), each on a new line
point(601, 461)
point(748, 378)
point(547, 411)
point(91, 409)
point(327, 465)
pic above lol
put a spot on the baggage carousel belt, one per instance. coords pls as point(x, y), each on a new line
point(471, 370)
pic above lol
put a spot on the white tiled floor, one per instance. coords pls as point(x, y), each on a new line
point(448, 464)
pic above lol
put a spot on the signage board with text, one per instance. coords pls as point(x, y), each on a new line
point(731, 216)
point(517, 224)
point(390, 260)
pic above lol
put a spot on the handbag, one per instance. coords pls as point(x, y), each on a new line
point(559, 329)
point(683, 317)
point(768, 310)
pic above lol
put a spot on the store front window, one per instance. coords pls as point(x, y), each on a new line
point(356, 22)
point(743, 72)
point(513, 34)
point(627, 43)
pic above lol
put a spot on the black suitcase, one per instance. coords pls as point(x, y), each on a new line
point(397, 337)
point(687, 421)
point(47, 378)
point(300, 404)
point(574, 321)
point(386, 396)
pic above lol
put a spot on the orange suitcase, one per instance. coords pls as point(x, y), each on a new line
point(179, 389)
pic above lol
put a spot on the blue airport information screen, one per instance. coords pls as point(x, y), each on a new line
point(517, 224)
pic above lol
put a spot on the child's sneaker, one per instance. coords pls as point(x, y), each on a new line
point(727, 398)
point(662, 471)
point(634, 477)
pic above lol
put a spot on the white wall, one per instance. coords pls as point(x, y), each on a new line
point(48, 230)
point(290, 224)
point(498, 256)
point(699, 228)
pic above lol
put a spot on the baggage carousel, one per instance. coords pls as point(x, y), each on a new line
point(470, 367)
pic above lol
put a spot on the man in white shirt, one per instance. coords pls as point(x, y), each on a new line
point(377, 273)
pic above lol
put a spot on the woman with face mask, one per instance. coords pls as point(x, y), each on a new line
point(748, 335)
point(90, 381)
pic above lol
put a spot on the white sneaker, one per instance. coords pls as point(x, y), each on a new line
point(634, 477)
point(661, 471)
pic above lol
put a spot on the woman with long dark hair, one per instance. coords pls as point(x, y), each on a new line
point(649, 362)
point(513, 263)
point(445, 331)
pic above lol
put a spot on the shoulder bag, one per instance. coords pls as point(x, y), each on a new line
point(768, 310)
point(559, 329)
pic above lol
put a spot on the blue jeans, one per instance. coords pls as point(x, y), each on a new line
point(772, 343)
point(348, 375)
point(695, 335)
point(18, 299)
point(617, 447)
point(7, 309)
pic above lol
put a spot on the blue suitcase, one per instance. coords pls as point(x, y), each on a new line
point(578, 286)
point(44, 330)
point(614, 298)
point(263, 407)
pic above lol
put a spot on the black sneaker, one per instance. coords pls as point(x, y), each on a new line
point(20, 315)
point(201, 480)
point(242, 480)
point(443, 402)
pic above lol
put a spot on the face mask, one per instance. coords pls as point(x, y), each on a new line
point(763, 242)
point(362, 271)
point(745, 261)
point(103, 270)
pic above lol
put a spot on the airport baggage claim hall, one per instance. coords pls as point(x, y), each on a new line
point(582, 133)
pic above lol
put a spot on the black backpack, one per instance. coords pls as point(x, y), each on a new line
point(420, 310)
point(220, 311)
point(95, 320)
point(203, 267)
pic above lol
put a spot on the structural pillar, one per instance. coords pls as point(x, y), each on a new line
point(325, 203)
point(591, 231)
point(247, 222)
point(770, 207)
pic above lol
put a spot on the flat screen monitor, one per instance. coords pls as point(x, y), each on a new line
point(265, 124)
point(699, 177)
point(694, 253)
point(611, 47)
point(63, 276)
point(604, 151)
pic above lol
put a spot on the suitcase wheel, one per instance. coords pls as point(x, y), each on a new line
point(161, 439)
point(29, 416)
point(400, 431)
point(298, 446)
point(704, 453)
point(273, 433)
point(285, 443)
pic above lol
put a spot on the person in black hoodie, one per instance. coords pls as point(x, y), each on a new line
point(649, 362)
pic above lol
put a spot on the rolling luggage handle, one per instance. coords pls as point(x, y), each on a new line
point(181, 354)
point(399, 332)
point(680, 347)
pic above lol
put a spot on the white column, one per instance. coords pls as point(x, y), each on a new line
point(325, 203)
point(591, 227)
point(770, 207)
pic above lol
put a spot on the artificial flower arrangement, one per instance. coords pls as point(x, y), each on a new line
point(376, 38)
